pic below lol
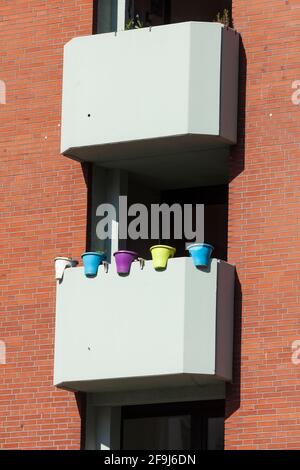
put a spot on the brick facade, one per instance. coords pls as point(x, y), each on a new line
point(263, 405)
point(43, 215)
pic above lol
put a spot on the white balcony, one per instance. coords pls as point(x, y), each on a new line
point(147, 330)
point(168, 92)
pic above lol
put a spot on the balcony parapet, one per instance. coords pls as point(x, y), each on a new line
point(146, 330)
point(168, 92)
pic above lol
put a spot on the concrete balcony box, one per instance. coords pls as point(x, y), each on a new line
point(147, 330)
point(167, 91)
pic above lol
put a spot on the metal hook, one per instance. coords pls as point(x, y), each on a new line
point(142, 262)
point(105, 265)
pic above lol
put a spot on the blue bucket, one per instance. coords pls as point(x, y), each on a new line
point(91, 262)
point(200, 253)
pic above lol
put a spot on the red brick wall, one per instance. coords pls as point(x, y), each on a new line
point(43, 215)
point(264, 230)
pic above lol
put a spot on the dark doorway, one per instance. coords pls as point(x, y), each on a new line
point(174, 426)
point(215, 200)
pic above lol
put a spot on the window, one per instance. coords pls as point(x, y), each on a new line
point(173, 426)
point(158, 12)
point(112, 15)
point(105, 16)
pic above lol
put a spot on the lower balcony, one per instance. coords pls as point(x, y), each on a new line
point(147, 330)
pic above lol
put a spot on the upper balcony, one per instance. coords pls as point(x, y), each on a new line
point(170, 92)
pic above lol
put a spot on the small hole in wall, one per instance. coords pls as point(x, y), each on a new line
point(89, 115)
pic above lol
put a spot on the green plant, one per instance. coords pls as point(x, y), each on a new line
point(134, 23)
point(224, 17)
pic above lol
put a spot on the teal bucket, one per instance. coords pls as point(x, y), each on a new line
point(200, 253)
point(91, 262)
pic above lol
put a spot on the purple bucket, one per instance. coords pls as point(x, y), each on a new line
point(124, 259)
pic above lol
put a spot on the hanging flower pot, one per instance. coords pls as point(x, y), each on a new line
point(61, 263)
point(124, 260)
point(160, 255)
point(200, 253)
point(91, 262)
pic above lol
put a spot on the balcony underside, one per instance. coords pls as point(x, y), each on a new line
point(123, 384)
point(170, 162)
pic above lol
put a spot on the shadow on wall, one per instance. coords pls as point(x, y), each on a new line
point(237, 165)
point(81, 406)
point(233, 389)
point(237, 154)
